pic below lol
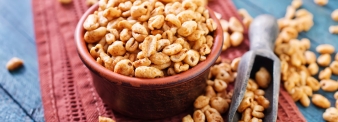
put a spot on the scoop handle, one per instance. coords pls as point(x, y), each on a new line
point(263, 32)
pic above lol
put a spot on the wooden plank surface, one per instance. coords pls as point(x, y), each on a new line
point(20, 98)
point(319, 34)
point(10, 111)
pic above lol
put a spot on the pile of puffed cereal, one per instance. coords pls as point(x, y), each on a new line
point(299, 65)
point(254, 102)
point(149, 39)
point(216, 99)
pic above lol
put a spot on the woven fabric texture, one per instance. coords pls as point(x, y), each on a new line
point(67, 90)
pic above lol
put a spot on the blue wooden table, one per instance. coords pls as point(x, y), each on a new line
point(20, 98)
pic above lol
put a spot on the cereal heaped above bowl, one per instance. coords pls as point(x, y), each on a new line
point(149, 39)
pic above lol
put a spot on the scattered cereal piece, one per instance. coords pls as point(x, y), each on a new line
point(235, 25)
point(199, 116)
point(325, 73)
point(224, 24)
point(310, 57)
point(334, 15)
point(334, 67)
point(329, 85)
point(246, 18)
point(218, 15)
point(14, 63)
point(212, 114)
point(321, 2)
point(220, 104)
point(324, 60)
point(187, 118)
point(290, 12)
point(331, 114)
point(235, 63)
point(105, 119)
point(313, 68)
point(335, 96)
point(91, 2)
point(244, 13)
point(201, 101)
point(296, 3)
point(263, 77)
point(320, 101)
point(226, 41)
point(236, 38)
point(65, 1)
point(325, 49)
point(333, 29)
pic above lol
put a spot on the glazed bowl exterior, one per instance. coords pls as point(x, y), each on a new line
point(148, 98)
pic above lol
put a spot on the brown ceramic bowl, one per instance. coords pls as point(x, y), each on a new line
point(148, 98)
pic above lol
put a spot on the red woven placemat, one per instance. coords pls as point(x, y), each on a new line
point(66, 84)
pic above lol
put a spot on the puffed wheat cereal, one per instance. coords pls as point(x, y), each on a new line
point(14, 64)
point(333, 29)
point(149, 39)
point(334, 15)
point(65, 1)
point(321, 2)
point(320, 101)
point(105, 119)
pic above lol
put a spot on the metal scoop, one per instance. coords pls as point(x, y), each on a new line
point(262, 33)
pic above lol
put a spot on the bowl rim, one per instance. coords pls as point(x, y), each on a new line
point(89, 61)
